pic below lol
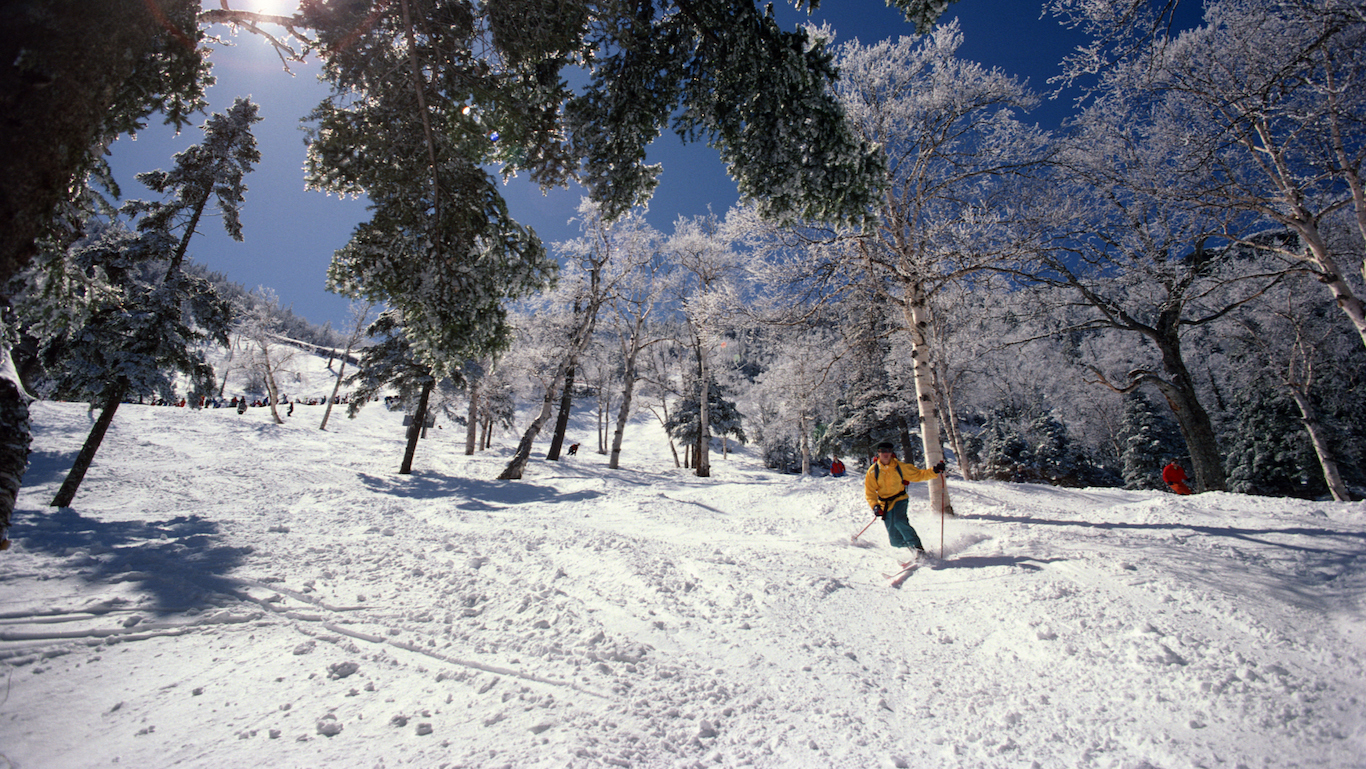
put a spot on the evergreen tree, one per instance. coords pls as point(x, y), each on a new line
point(1149, 442)
point(684, 422)
point(392, 363)
point(1269, 451)
point(1055, 458)
point(150, 315)
point(999, 449)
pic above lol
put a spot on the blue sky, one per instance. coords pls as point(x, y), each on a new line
point(290, 233)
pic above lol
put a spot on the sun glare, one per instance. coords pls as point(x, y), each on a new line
point(270, 7)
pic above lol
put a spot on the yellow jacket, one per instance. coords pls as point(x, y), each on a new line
point(884, 485)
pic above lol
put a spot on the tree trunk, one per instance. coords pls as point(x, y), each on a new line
point(917, 309)
point(1327, 461)
point(14, 450)
point(336, 388)
point(415, 429)
point(1332, 277)
point(517, 466)
point(704, 416)
point(624, 414)
point(805, 444)
point(272, 390)
point(904, 431)
point(956, 437)
point(92, 444)
point(562, 419)
point(1207, 464)
point(604, 408)
point(472, 420)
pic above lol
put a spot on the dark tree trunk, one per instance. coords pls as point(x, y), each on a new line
point(562, 420)
point(472, 419)
point(13, 449)
point(1207, 464)
point(92, 444)
point(903, 428)
point(415, 430)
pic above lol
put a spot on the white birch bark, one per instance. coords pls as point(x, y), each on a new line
point(917, 310)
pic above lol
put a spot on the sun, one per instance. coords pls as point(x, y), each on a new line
point(268, 7)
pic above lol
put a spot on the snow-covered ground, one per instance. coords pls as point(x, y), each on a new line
point(229, 592)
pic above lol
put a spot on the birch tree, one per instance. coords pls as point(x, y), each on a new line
point(258, 325)
point(707, 296)
point(1265, 104)
point(359, 315)
point(1288, 338)
point(947, 129)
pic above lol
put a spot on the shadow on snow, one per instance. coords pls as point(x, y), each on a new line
point(177, 560)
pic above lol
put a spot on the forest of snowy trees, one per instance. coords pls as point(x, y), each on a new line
point(1175, 273)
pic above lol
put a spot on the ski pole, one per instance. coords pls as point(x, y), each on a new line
point(865, 528)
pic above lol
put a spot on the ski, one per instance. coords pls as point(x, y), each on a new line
point(900, 576)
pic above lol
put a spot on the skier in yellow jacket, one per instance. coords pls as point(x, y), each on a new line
point(885, 487)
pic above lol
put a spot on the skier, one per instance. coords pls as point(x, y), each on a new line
point(837, 468)
point(1175, 477)
point(885, 488)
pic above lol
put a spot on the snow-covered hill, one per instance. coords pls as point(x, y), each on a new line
point(229, 592)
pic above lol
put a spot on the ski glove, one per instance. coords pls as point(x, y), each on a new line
point(878, 511)
point(939, 468)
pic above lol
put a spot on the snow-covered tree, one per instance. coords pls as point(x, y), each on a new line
point(707, 294)
point(1150, 440)
point(268, 355)
point(359, 317)
point(589, 280)
point(948, 130)
point(634, 305)
point(1141, 263)
point(800, 385)
point(866, 405)
point(1269, 451)
point(152, 316)
point(1289, 341)
point(392, 363)
point(1262, 106)
point(684, 422)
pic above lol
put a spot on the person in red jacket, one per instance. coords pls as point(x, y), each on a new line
point(1175, 477)
point(837, 468)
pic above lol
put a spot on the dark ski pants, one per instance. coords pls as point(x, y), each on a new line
point(899, 530)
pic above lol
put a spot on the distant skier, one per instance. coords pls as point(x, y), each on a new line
point(1175, 477)
point(885, 488)
point(573, 449)
point(837, 467)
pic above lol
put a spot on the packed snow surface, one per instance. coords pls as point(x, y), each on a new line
point(230, 592)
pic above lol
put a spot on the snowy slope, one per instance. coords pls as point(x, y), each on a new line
point(228, 592)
